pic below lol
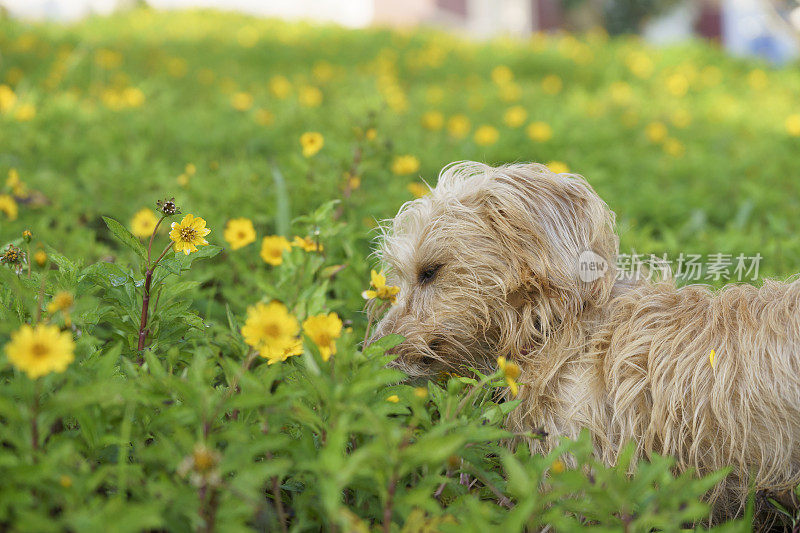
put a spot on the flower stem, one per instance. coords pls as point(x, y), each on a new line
point(34, 419)
point(148, 278)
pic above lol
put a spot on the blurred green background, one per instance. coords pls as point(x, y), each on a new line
point(695, 151)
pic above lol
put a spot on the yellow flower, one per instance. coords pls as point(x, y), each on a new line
point(405, 164)
point(188, 235)
point(311, 142)
point(310, 96)
point(552, 84)
point(264, 117)
point(242, 101)
point(7, 98)
point(40, 350)
point(511, 372)
point(25, 112)
point(190, 169)
point(65, 481)
point(9, 206)
point(656, 131)
point(678, 85)
point(458, 126)
point(273, 331)
point(758, 79)
point(486, 135)
point(421, 392)
point(272, 248)
point(539, 131)
point(712, 358)
point(239, 232)
point(371, 134)
point(793, 125)
point(324, 330)
point(417, 189)
point(132, 96)
point(432, 120)
point(394, 398)
point(280, 86)
point(674, 147)
point(307, 243)
point(62, 301)
point(382, 291)
point(501, 75)
point(143, 223)
point(557, 467)
point(40, 257)
point(13, 180)
point(515, 116)
point(559, 167)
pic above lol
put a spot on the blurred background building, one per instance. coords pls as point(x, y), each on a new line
point(766, 28)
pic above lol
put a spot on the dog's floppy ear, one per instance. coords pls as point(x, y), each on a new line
point(561, 237)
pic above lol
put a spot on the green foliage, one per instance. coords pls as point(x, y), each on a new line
point(193, 432)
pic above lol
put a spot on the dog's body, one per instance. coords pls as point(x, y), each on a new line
point(488, 266)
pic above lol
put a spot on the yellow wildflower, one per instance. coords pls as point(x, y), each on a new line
point(7, 98)
point(511, 372)
point(539, 131)
point(421, 392)
point(674, 147)
point(190, 169)
point(432, 120)
point(417, 189)
point(39, 350)
point(242, 101)
point(656, 131)
point(678, 85)
point(458, 126)
point(239, 232)
point(143, 223)
point(310, 96)
point(681, 118)
point(557, 467)
point(311, 142)
point(273, 331)
point(280, 86)
point(552, 84)
point(25, 112)
point(793, 125)
point(394, 398)
point(9, 206)
point(62, 301)
point(324, 330)
point(515, 116)
point(40, 257)
point(486, 135)
point(501, 75)
point(307, 243)
point(371, 134)
point(65, 481)
point(264, 117)
point(188, 235)
point(272, 248)
point(382, 291)
point(559, 167)
point(405, 164)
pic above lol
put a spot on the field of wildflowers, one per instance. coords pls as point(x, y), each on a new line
point(186, 213)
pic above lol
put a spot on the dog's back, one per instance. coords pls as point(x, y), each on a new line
point(742, 410)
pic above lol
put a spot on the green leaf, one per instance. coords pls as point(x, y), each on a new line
point(124, 236)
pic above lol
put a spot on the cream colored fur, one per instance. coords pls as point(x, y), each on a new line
point(625, 358)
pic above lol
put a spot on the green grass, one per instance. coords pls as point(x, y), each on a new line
point(724, 179)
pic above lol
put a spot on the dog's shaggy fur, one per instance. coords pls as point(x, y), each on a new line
point(487, 265)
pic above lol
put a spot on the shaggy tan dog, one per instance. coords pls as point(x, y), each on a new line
point(488, 265)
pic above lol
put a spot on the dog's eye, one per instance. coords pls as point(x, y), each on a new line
point(427, 275)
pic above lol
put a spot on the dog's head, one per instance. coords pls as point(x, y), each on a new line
point(493, 262)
